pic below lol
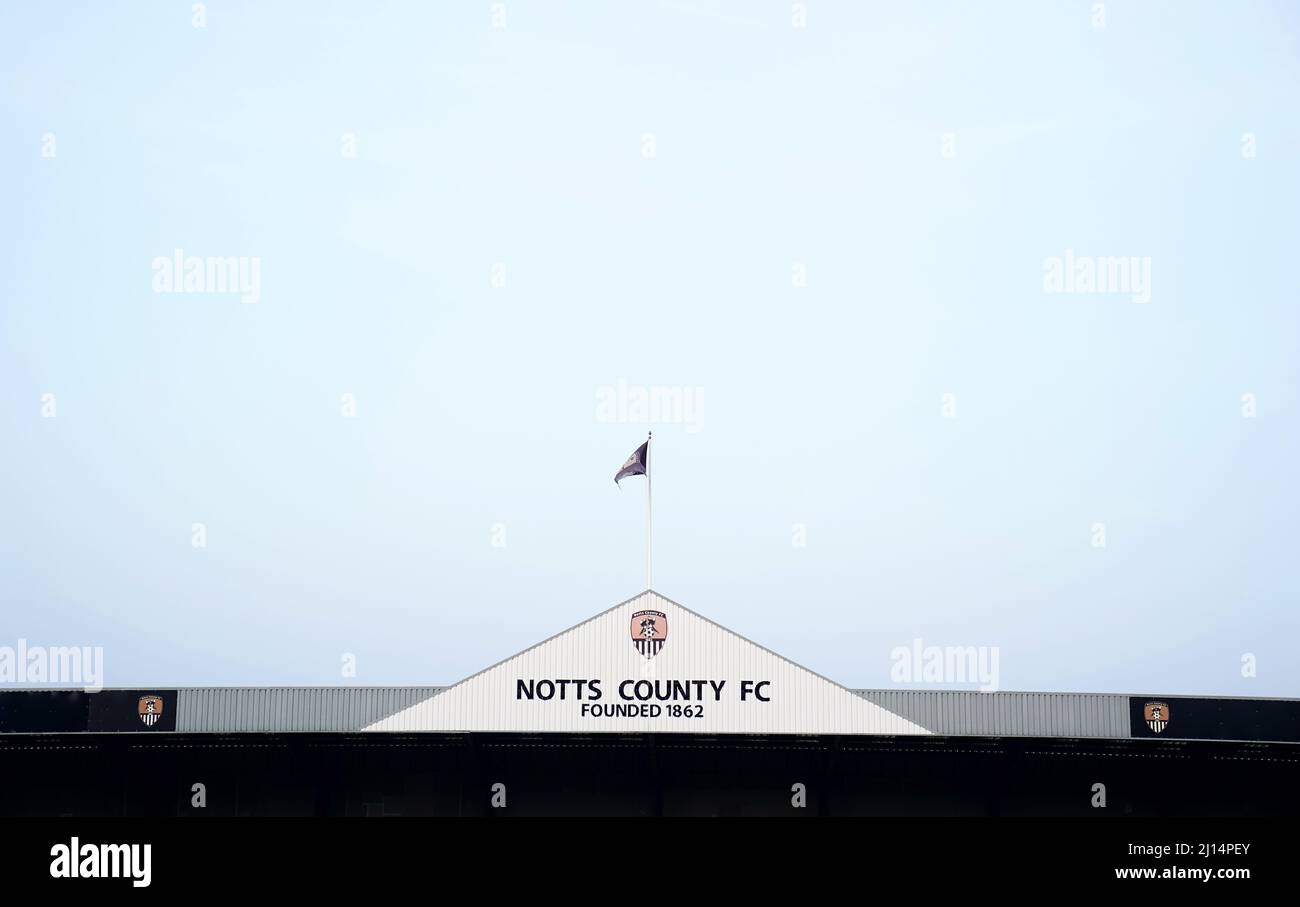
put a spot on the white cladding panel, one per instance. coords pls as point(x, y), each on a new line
point(801, 702)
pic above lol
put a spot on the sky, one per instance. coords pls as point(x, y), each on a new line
point(477, 227)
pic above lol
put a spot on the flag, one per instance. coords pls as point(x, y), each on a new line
point(636, 464)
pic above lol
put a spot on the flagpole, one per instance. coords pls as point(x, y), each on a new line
point(649, 511)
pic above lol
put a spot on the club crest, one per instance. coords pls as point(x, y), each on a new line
point(1156, 715)
point(649, 632)
point(150, 709)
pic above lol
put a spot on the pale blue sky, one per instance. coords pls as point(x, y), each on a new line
point(821, 405)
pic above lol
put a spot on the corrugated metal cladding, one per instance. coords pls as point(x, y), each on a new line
point(945, 712)
point(237, 709)
point(976, 714)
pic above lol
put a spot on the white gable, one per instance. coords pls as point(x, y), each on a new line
point(703, 679)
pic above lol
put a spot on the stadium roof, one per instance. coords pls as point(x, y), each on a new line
point(649, 665)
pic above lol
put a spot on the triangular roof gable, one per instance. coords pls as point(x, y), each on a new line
point(593, 678)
